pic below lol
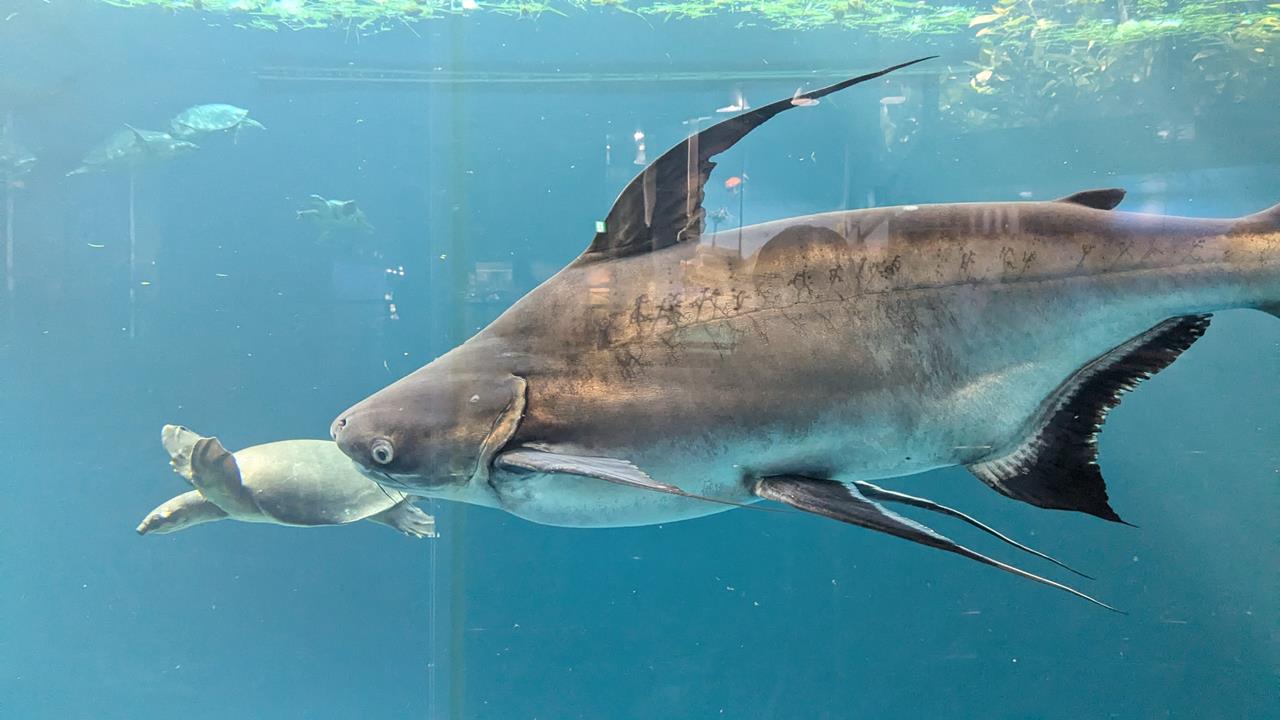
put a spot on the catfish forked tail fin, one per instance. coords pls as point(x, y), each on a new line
point(1266, 225)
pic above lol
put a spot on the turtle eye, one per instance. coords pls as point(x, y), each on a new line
point(382, 451)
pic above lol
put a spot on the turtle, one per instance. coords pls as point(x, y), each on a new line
point(335, 216)
point(132, 146)
point(302, 483)
point(211, 118)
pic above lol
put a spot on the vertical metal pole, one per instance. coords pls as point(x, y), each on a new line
point(133, 251)
point(8, 242)
point(9, 283)
point(457, 264)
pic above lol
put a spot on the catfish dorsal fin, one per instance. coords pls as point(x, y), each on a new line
point(662, 206)
point(1100, 199)
point(1056, 464)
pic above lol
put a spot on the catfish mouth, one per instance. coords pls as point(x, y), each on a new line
point(399, 481)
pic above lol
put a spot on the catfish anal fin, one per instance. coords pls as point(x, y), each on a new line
point(1056, 464)
point(846, 504)
point(1100, 199)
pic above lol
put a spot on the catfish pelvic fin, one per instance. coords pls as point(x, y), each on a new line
point(1100, 199)
point(847, 504)
point(611, 470)
point(662, 206)
point(1056, 465)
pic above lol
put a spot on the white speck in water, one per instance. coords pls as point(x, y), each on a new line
point(474, 399)
point(1135, 558)
point(221, 275)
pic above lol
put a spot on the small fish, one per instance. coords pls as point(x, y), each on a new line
point(798, 100)
point(733, 183)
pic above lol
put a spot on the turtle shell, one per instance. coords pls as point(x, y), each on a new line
point(310, 482)
point(209, 118)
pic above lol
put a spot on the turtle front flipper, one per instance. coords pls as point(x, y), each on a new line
point(179, 513)
point(408, 519)
point(216, 475)
point(246, 123)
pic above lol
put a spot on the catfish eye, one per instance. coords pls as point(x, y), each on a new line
point(382, 451)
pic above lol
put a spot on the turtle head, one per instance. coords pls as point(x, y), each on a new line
point(433, 432)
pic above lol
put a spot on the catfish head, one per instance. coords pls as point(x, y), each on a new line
point(434, 431)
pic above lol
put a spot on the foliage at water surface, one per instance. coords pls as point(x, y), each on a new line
point(1032, 57)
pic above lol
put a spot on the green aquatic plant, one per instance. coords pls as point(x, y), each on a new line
point(1036, 57)
point(1029, 60)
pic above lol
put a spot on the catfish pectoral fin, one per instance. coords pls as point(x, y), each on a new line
point(847, 504)
point(608, 469)
point(611, 470)
point(875, 492)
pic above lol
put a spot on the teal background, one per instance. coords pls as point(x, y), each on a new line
point(254, 331)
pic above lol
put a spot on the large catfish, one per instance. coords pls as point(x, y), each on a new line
point(667, 374)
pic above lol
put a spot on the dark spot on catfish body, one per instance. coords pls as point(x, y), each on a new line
point(889, 269)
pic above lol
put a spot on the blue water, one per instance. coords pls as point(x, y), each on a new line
point(252, 330)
